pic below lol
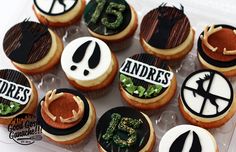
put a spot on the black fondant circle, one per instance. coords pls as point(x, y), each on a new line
point(55, 14)
point(208, 59)
point(73, 129)
point(18, 78)
point(143, 131)
point(198, 114)
point(150, 60)
point(98, 27)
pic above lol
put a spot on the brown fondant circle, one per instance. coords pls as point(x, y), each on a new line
point(225, 38)
point(21, 35)
point(62, 106)
point(154, 28)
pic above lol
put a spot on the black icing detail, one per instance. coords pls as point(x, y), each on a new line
point(73, 129)
point(196, 145)
point(210, 60)
point(178, 144)
point(143, 132)
point(206, 94)
point(73, 67)
point(80, 52)
point(29, 37)
point(86, 72)
point(150, 60)
point(60, 2)
point(95, 58)
point(164, 27)
point(17, 78)
point(98, 27)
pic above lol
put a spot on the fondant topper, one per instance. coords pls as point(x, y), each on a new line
point(86, 58)
point(145, 72)
point(14, 92)
point(55, 7)
point(202, 93)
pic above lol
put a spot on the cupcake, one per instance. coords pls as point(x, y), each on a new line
point(188, 138)
point(17, 95)
point(58, 12)
point(32, 47)
point(146, 82)
point(166, 32)
point(217, 49)
point(110, 20)
point(66, 116)
point(89, 64)
point(125, 129)
point(207, 99)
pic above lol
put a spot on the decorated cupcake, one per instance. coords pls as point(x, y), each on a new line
point(32, 47)
point(217, 49)
point(188, 138)
point(125, 129)
point(58, 12)
point(110, 20)
point(17, 95)
point(146, 82)
point(66, 116)
point(166, 32)
point(207, 99)
point(89, 64)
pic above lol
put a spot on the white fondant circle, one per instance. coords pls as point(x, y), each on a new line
point(207, 141)
point(219, 94)
point(78, 74)
point(45, 5)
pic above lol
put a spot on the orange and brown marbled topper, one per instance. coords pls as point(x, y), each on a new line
point(224, 38)
point(165, 27)
point(63, 107)
point(27, 42)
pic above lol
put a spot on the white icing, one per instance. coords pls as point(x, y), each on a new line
point(193, 102)
point(207, 141)
point(78, 74)
point(45, 5)
point(219, 87)
point(144, 78)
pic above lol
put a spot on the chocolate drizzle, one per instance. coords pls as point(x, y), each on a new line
point(16, 77)
point(27, 42)
point(165, 27)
